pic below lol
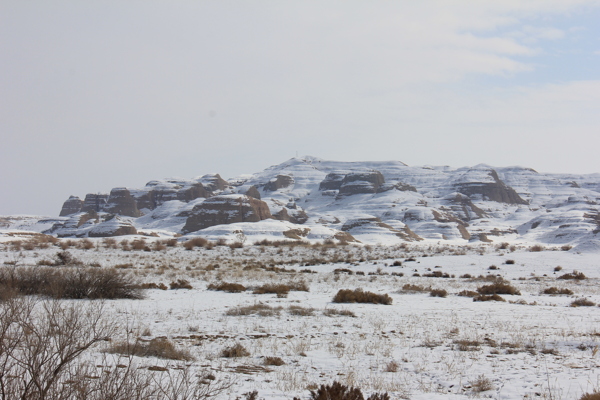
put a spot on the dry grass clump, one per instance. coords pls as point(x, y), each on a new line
point(301, 311)
point(482, 384)
point(582, 303)
point(152, 285)
point(554, 290)
point(438, 293)
point(437, 274)
point(235, 351)
point(536, 248)
point(197, 242)
point(392, 366)
point(280, 289)
point(498, 287)
point(337, 391)
point(261, 310)
point(492, 297)
point(71, 283)
point(412, 288)
point(158, 347)
point(360, 296)
point(467, 293)
point(227, 287)
point(467, 344)
point(333, 312)
point(276, 361)
point(578, 276)
point(180, 284)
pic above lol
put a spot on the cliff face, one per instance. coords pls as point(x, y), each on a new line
point(373, 201)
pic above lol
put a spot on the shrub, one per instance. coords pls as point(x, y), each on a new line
point(537, 248)
point(558, 268)
point(467, 293)
point(414, 288)
point(301, 311)
point(481, 384)
point(337, 391)
point(157, 347)
point(71, 283)
point(498, 287)
point(493, 297)
point(276, 361)
point(235, 351)
point(279, 289)
point(438, 293)
point(330, 312)
point(582, 303)
point(579, 276)
point(360, 296)
point(509, 262)
point(227, 287)
point(195, 242)
point(261, 310)
point(555, 290)
point(180, 284)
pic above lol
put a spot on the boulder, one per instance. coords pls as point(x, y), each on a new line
point(72, 205)
point(121, 202)
point(214, 182)
point(226, 209)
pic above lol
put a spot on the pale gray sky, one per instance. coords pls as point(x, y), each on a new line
point(99, 94)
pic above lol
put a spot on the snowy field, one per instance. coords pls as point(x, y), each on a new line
point(532, 345)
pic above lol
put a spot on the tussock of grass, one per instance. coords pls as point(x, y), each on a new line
point(235, 351)
point(158, 347)
point(360, 296)
point(227, 287)
point(261, 310)
point(578, 276)
point(498, 287)
point(554, 290)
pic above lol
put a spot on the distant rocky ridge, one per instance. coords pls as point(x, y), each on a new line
point(370, 202)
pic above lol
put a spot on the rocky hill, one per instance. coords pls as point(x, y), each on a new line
point(370, 202)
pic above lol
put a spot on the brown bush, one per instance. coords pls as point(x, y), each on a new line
point(261, 310)
point(537, 248)
point(71, 283)
point(301, 311)
point(438, 293)
point(237, 350)
point(493, 297)
point(195, 242)
point(414, 288)
point(180, 284)
point(138, 244)
point(331, 312)
point(467, 293)
point(555, 290)
point(360, 296)
point(337, 391)
point(582, 303)
point(276, 361)
point(227, 287)
point(152, 285)
point(157, 347)
point(499, 287)
point(279, 289)
point(579, 276)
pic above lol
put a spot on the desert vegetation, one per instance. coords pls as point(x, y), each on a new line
point(257, 321)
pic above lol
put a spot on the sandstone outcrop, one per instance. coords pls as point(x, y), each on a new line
point(71, 206)
point(279, 182)
point(113, 227)
point(491, 191)
point(361, 183)
point(121, 202)
point(226, 209)
point(94, 202)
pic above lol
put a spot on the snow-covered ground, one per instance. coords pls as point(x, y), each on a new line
point(532, 345)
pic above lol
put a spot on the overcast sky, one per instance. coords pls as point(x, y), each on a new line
point(100, 94)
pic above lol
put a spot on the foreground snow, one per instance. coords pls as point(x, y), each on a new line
point(531, 346)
